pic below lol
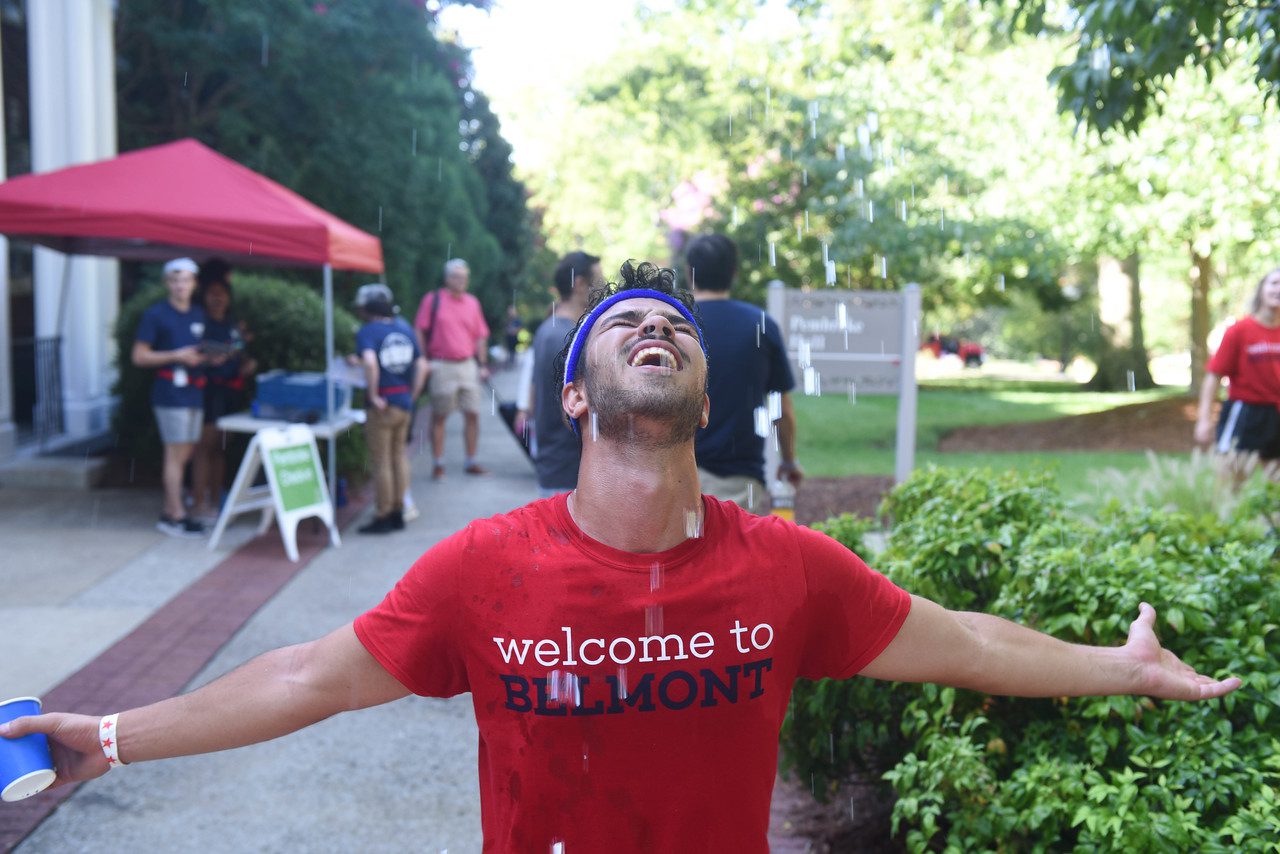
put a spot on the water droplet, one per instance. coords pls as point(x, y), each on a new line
point(831, 272)
point(1132, 381)
point(762, 422)
point(1000, 282)
point(622, 681)
point(655, 576)
point(806, 220)
point(774, 402)
point(692, 524)
point(804, 177)
point(884, 267)
point(803, 351)
point(812, 381)
point(840, 152)
point(413, 144)
point(773, 254)
point(557, 847)
point(853, 393)
point(595, 427)
point(653, 619)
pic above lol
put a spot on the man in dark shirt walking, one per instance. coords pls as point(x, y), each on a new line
point(558, 448)
point(747, 364)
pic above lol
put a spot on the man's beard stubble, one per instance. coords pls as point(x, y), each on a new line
point(674, 413)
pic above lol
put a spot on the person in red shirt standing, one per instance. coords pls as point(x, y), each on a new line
point(454, 337)
point(1248, 428)
point(630, 647)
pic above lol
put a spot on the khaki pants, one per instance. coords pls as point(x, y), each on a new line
point(385, 432)
point(747, 492)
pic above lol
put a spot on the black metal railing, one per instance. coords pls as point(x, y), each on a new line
point(47, 412)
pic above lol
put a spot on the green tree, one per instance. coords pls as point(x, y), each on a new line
point(374, 134)
point(1127, 52)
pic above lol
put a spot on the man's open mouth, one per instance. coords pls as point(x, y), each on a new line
point(654, 357)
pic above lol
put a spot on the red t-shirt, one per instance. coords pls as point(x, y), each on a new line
point(1249, 357)
point(629, 702)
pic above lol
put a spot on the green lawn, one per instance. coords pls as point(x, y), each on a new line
point(838, 437)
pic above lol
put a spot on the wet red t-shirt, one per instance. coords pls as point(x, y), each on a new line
point(1249, 357)
point(629, 702)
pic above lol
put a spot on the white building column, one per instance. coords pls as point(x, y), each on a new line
point(8, 431)
point(73, 121)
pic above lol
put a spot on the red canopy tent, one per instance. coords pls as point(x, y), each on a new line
point(183, 198)
point(180, 198)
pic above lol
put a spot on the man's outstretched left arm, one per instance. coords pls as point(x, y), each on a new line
point(990, 654)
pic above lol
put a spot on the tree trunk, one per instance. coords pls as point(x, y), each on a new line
point(1201, 281)
point(1122, 357)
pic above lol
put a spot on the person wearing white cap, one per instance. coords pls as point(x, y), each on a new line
point(167, 341)
point(605, 725)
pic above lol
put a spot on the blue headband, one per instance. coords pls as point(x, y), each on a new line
point(584, 329)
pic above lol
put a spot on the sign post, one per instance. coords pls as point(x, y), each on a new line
point(295, 488)
point(855, 342)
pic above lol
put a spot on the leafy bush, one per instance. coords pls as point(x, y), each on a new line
point(286, 321)
point(1113, 773)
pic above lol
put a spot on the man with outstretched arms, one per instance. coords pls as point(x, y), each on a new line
point(629, 646)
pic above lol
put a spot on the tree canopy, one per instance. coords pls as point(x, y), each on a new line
point(357, 106)
point(1127, 52)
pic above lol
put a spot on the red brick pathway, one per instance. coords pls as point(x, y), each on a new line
point(158, 658)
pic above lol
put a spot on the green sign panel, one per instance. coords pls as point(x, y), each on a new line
point(296, 472)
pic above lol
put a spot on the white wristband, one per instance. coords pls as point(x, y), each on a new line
point(107, 738)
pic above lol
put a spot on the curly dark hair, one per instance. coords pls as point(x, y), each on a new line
point(635, 275)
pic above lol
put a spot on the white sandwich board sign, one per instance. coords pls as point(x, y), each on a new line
point(295, 488)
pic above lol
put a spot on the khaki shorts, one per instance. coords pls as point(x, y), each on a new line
point(454, 385)
point(747, 492)
point(179, 425)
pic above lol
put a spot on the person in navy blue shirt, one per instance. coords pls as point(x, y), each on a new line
point(747, 361)
point(225, 373)
point(395, 372)
point(167, 341)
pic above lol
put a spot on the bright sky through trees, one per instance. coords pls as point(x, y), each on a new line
point(525, 52)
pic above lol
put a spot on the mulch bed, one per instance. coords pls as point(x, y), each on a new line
point(1161, 425)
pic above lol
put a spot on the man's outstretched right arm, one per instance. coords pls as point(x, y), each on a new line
point(274, 694)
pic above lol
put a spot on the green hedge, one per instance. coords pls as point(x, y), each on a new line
point(286, 322)
point(973, 772)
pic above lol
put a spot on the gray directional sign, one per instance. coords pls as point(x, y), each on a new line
point(840, 340)
point(855, 342)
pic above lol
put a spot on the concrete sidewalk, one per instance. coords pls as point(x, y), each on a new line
point(89, 568)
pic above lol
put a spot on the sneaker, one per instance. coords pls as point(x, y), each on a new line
point(380, 525)
point(437, 473)
point(185, 527)
point(396, 519)
point(410, 512)
point(476, 468)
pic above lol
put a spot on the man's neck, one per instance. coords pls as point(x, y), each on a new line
point(570, 310)
point(184, 306)
point(708, 296)
point(637, 499)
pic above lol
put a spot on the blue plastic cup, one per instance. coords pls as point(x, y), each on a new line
point(26, 766)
